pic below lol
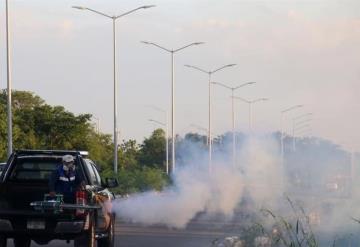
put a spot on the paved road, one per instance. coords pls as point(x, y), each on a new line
point(134, 235)
point(198, 234)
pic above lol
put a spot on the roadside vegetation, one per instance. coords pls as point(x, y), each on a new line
point(291, 231)
point(269, 229)
point(37, 125)
point(142, 166)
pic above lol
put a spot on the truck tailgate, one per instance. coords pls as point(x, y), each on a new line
point(18, 196)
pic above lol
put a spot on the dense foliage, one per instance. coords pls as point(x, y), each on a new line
point(37, 125)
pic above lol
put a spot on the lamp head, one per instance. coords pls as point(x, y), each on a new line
point(79, 7)
point(148, 6)
point(230, 65)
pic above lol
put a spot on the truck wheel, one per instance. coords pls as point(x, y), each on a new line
point(3, 241)
point(22, 242)
point(87, 239)
point(110, 239)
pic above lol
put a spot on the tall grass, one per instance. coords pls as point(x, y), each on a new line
point(293, 230)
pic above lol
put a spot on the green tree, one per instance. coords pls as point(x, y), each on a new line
point(153, 150)
point(37, 125)
point(196, 138)
point(101, 149)
point(128, 154)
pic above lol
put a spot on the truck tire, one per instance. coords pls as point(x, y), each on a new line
point(3, 241)
point(110, 239)
point(22, 242)
point(88, 237)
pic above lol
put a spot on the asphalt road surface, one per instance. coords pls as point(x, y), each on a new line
point(197, 234)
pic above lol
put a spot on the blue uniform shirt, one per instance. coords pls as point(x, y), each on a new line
point(65, 183)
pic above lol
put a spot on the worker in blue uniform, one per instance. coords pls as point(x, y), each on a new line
point(65, 180)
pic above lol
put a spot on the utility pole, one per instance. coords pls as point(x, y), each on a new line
point(113, 19)
point(210, 73)
point(172, 53)
point(9, 85)
point(233, 114)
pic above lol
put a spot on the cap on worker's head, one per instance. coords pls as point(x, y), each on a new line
point(68, 158)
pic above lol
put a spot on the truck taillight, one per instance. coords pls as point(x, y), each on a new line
point(80, 200)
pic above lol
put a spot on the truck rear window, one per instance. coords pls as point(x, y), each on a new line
point(34, 168)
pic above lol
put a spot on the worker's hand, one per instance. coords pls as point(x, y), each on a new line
point(82, 185)
point(52, 193)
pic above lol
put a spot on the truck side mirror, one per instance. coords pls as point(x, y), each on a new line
point(111, 182)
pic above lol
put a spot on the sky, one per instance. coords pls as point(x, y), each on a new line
point(297, 51)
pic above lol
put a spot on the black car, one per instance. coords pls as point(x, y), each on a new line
point(24, 181)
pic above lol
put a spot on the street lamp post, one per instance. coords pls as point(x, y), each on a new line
point(114, 18)
point(304, 131)
point(282, 128)
point(166, 141)
point(172, 52)
point(250, 103)
point(302, 127)
point(233, 114)
point(210, 73)
point(296, 128)
point(9, 86)
point(295, 119)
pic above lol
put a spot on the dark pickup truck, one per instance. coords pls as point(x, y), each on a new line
point(24, 181)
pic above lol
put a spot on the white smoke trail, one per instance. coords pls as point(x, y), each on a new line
point(195, 190)
point(259, 175)
point(263, 171)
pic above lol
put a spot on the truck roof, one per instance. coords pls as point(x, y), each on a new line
point(50, 152)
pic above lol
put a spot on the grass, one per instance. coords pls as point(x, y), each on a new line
point(273, 230)
point(292, 231)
